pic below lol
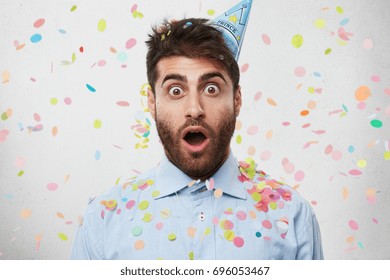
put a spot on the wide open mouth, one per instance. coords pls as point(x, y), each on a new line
point(195, 138)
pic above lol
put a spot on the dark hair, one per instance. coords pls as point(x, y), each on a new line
point(192, 38)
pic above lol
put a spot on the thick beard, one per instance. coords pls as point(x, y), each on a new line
point(198, 164)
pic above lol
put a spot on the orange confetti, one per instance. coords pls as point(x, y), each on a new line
point(271, 102)
point(66, 178)
point(362, 93)
point(345, 193)
point(311, 104)
point(269, 134)
point(238, 125)
point(38, 237)
point(113, 50)
point(350, 239)
point(305, 113)
point(25, 213)
point(60, 215)
point(54, 131)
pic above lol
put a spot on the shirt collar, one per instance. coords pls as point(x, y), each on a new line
point(170, 179)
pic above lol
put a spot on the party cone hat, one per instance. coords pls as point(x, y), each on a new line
point(233, 24)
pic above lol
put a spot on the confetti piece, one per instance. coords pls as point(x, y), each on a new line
point(376, 123)
point(53, 101)
point(353, 225)
point(97, 124)
point(172, 237)
point(131, 43)
point(328, 51)
point(90, 88)
point(218, 193)
point(102, 25)
point(355, 172)
point(252, 130)
point(36, 38)
point(336, 155)
point(143, 205)
point(299, 176)
point(362, 163)
point(97, 155)
point(320, 23)
point(271, 102)
point(238, 241)
point(344, 21)
point(130, 204)
point(60, 215)
point(139, 245)
point(345, 193)
point(25, 213)
point(241, 215)
point(211, 12)
point(251, 150)
point(39, 22)
point(297, 41)
point(375, 78)
point(362, 93)
point(371, 195)
point(68, 100)
point(136, 231)
point(54, 131)
point(52, 186)
point(73, 8)
point(238, 139)
point(5, 75)
point(368, 44)
point(304, 113)
point(20, 173)
point(266, 39)
point(191, 232)
point(3, 135)
point(266, 155)
point(386, 155)
point(267, 224)
point(258, 95)
point(300, 71)
point(133, 8)
point(244, 67)
point(340, 10)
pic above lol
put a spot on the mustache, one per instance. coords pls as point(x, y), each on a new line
point(194, 122)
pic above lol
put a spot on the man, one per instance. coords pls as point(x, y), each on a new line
point(199, 202)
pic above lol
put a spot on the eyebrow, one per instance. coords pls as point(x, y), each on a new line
point(174, 76)
point(202, 78)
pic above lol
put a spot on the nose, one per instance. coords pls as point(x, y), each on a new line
point(194, 106)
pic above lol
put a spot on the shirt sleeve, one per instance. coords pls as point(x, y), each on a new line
point(87, 243)
point(309, 241)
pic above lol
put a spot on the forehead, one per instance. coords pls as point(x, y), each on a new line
point(189, 67)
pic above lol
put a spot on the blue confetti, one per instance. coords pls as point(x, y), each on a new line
point(351, 149)
point(344, 21)
point(345, 108)
point(62, 31)
point(91, 88)
point(36, 38)
point(97, 155)
point(316, 74)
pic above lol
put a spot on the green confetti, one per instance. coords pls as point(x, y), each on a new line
point(62, 236)
point(53, 101)
point(339, 10)
point(73, 57)
point(97, 124)
point(297, 41)
point(21, 172)
point(328, 51)
point(191, 255)
point(74, 7)
point(376, 123)
point(4, 116)
point(143, 205)
point(102, 24)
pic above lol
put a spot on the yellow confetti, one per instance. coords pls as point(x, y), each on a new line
point(386, 155)
point(172, 237)
point(97, 124)
point(102, 24)
point(297, 41)
point(362, 163)
point(320, 23)
point(63, 236)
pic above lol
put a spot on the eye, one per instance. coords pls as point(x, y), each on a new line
point(211, 89)
point(175, 91)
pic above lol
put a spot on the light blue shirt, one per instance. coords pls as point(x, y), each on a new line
point(238, 213)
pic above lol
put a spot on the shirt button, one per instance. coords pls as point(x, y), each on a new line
point(202, 217)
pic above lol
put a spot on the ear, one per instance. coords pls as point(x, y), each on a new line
point(152, 103)
point(237, 101)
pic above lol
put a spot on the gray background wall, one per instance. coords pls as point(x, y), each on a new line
point(62, 143)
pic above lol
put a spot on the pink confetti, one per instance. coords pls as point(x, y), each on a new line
point(101, 63)
point(3, 135)
point(159, 226)
point(355, 172)
point(130, 204)
point(37, 117)
point(68, 100)
point(285, 123)
point(299, 176)
point(238, 241)
point(52, 186)
point(387, 91)
point(387, 111)
point(375, 221)
point(361, 105)
point(267, 224)
point(20, 162)
point(300, 71)
point(314, 202)
point(306, 125)
point(211, 184)
point(328, 149)
point(131, 43)
point(375, 78)
point(336, 155)
point(353, 225)
point(266, 39)
point(134, 8)
point(368, 44)
point(241, 215)
point(258, 95)
point(253, 129)
point(319, 132)
point(39, 22)
point(123, 103)
point(266, 155)
point(244, 68)
point(288, 166)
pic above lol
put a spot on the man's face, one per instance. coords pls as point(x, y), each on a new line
point(195, 109)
